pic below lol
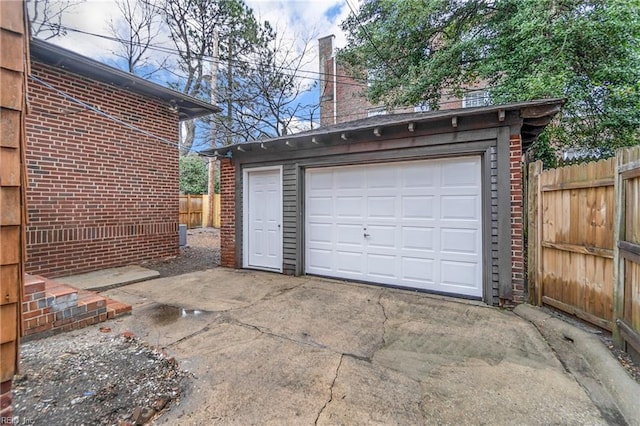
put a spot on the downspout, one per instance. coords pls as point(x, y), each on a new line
point(335, 87)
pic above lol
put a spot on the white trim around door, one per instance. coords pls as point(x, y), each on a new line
point(262, 218)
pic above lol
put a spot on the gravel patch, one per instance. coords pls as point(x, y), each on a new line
point(201, 252)
point(94, 377)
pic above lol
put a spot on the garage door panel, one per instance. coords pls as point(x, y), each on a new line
point(381, 236)
point(459, 241)
point(459, 207)
point(349, 234)
point(349, 206)
point(418, 207)
point(320, 180)
point(458, 173)
point(352, 178)
point(320, 207)
point(350, 262)
point(458, 274)
point(415, 175)
point(418, 270)
point(319, 260)
point(319, 232)
point(381, 266)
point(381, 207)
point(418, 238)
point(384, 177)
point(414, 224)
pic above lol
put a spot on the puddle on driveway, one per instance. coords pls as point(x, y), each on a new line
point(167, 314)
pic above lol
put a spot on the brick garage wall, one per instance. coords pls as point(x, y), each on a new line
point(228, 213)
point(517, 236)
point(99, 194)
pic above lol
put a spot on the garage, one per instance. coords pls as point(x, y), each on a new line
point(414, 224)
point(426, 201)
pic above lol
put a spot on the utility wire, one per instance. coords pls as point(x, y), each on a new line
point(207, 58)
point(102, 113)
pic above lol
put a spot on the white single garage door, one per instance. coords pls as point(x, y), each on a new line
point(415, 224)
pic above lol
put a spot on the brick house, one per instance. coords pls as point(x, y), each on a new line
point(423, 201)
point(103, 183)
point(343, 98)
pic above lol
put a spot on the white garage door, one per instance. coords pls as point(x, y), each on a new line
point(413, 224)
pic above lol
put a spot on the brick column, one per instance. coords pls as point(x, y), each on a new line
point(517, 241)
point(228, 213)
point(5, 402)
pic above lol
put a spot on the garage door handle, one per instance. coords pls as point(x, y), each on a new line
point(367, 235)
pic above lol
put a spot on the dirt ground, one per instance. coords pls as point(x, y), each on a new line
point(201, 252)
point(94, 377)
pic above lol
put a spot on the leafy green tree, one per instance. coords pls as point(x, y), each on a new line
point(193, 174)
point(587, 51)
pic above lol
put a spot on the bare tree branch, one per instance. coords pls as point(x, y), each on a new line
point(45, 17)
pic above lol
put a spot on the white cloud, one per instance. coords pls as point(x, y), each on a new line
point(294, 20)
point(91, 16)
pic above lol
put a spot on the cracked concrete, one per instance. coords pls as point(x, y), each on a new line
point(271, 349)
point(330, 390)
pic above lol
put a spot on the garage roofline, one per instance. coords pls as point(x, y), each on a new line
point(531, 116)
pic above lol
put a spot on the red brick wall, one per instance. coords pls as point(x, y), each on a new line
point(228, 213)
point(517, 241)
point(99, 194)
point(351, 101)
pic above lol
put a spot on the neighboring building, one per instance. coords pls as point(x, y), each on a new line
point(343, 99)
point(103, 187)
point(426, 201)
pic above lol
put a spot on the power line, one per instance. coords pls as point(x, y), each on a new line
point(210, 59)
point(102, 113)
point(206, 58)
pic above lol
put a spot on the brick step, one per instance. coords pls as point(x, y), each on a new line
point(116, 309)
point(33, 284)
point(50, 307)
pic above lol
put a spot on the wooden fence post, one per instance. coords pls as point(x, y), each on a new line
point(618, 264)
point(534, 198)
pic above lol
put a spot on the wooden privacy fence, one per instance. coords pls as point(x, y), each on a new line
point(194, 211)
point(584, 241)
point(626, 254)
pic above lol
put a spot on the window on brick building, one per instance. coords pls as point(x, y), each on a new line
point(477, 98)
point(422, 107)
point(376, 111)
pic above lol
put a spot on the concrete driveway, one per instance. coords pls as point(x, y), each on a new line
point(272, 349)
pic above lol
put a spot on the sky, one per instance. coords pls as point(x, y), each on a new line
point(295, 19)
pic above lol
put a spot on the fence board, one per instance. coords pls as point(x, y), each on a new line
point(575, 239)
point(194, 211)
point(626, 252)
point(191, 211)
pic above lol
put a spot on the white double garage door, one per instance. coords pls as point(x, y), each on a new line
point(414, 224)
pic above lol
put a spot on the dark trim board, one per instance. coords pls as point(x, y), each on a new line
point(504, 213)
